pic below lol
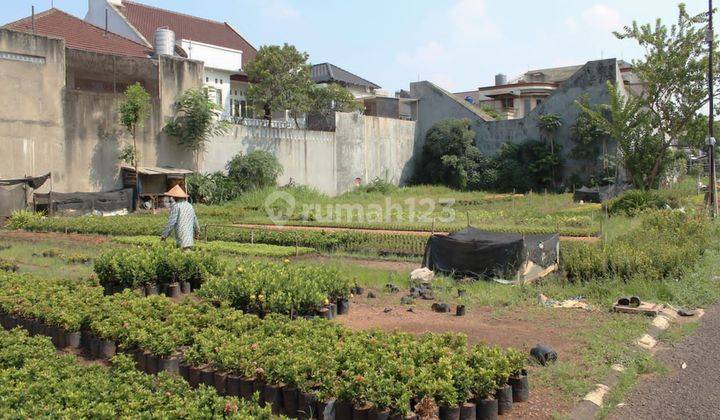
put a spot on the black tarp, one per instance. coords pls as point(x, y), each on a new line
point(598, 194)
point(11, 198)
point(80, 203)
point(33, 182)
point(476, 253)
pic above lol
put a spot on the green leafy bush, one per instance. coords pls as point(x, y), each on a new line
point(281, 288)
point(19, 219)
point(212, 188)
point(632, 202)
point(8, 265)
point(41, 384)
point(257, 169)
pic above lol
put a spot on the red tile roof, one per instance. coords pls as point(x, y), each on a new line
point(146, 19)
point(78, 34)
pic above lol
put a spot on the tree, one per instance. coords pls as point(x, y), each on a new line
point(673, 72)
point(134, 111)
point(326, 100)
point(280, 79)
point(449, 155)
point(591, 146)
point(627, 121)
point(549, 124)
point(196, 121)
point(257, 169)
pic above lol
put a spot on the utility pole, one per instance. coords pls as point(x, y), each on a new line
point(710, 38)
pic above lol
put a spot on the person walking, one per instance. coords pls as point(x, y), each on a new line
point(182, 220)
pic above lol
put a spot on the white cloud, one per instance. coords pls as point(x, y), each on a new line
point(571, 24)
point(279, 9)
point(470, 21)
point(603, 17)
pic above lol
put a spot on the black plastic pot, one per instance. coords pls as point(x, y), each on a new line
point(343, 410)
point(379, 414)
point(184, 371)
point(152, 363)
point(194, 376)
point(273, 398)
point(487, 409)
point(259, 387)
point(307, 405)
point(12, 322)
point(247, 386)
point(325, 409)
point(449, 412)
point(72, 339)
point(232, 386)
point(520, 387)
point(325, 313)
point(185, 287)
point(56, 336)
point(106, 349)
point(408, 416)
point(173, 290)
point(151, 289)
point(460, 310)
point(290, 396)
point(333, 309)
point(360, 412)
point(220, 382)
point(140, 290)
point(343, 306)
point(94, 346)
point(504, 397)
point(468, 411)
point(207, 376)
point(170, 364)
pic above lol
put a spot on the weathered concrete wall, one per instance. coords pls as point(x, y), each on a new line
point(74, 130)
point(31, 113)
point(361, 147)
point(436, 105)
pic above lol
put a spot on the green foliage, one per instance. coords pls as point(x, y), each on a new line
point(134, 111)
point(19, 219)
point(326, 100)
point(257, 169)
point(280, 288)
point(449, 156)
point(129, 154)
point(491, 111)
point(525, 166)
point(211, 188)
point(665, 246)
point(41, 384)
point(387, 369)
point(378, 185)
point(633, 202)
point(8, 265)
point(232, 248)
point(279, 79)
point(159, 264)
point(196, 120)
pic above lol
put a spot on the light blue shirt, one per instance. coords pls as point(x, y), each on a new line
point(184, 222)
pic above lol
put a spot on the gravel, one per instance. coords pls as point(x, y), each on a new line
point(689, 392)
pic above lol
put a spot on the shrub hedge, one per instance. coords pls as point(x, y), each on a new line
point(386, 369)
point(35, 382)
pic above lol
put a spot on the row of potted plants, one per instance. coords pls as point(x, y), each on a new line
point(159, 265)
point(43, 384)
point(296, 366)
point(292, 289)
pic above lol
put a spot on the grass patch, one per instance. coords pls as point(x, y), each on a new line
point(678, 331)
point(234, 248)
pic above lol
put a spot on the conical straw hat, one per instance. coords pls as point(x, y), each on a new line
point(176, 192)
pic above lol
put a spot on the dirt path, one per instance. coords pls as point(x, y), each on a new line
point(22, 235)
point(386, 231)
point(690, 393)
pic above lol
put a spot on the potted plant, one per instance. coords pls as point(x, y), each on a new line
point(518, 377)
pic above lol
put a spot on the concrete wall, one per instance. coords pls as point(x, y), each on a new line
point(590, 81)
point(31, 103)
point(116, 23)
point(74, 131)
point(361, 147)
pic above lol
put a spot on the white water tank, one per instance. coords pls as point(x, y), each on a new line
point(500, 79)
point(164, 41)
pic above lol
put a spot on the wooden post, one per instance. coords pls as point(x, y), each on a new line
point(467, 216)
point(50, 198)
point(206, 232)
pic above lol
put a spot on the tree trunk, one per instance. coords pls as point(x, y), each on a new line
point(268, 114)
point(137, 174)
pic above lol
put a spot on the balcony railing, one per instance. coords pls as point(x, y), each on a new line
point(256, 122)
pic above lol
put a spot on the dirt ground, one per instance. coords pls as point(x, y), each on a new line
point(57, 238)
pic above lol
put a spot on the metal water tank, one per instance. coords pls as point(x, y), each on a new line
point(500, 79)
point(164, 41)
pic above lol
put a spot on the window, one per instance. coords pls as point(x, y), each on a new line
point(221, 81)
point(538, 101)
point(526, 105)
point(207, 80)
point(507, 102)
point(215, 81)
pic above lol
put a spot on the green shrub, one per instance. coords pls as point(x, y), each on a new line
point(19, 219)
point(8, 265)
point(212, 188)
point(257, 169)
point(378, 185)
point(632, 202)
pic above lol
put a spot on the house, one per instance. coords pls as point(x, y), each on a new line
point(326, 73)
point(218, 45)
point(515, 99)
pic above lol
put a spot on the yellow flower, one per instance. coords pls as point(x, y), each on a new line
point(252, 297)
point(240, 269)
point(261, 298)
point(326, 301)
point(286, 261)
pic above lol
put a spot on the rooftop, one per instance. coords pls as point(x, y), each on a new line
point(78, 34)
point(146, 19)
point(329, 73)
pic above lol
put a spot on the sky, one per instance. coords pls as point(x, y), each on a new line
point(458, 44)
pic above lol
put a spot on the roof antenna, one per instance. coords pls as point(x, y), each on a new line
point(32, 9)
point(106, 22)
